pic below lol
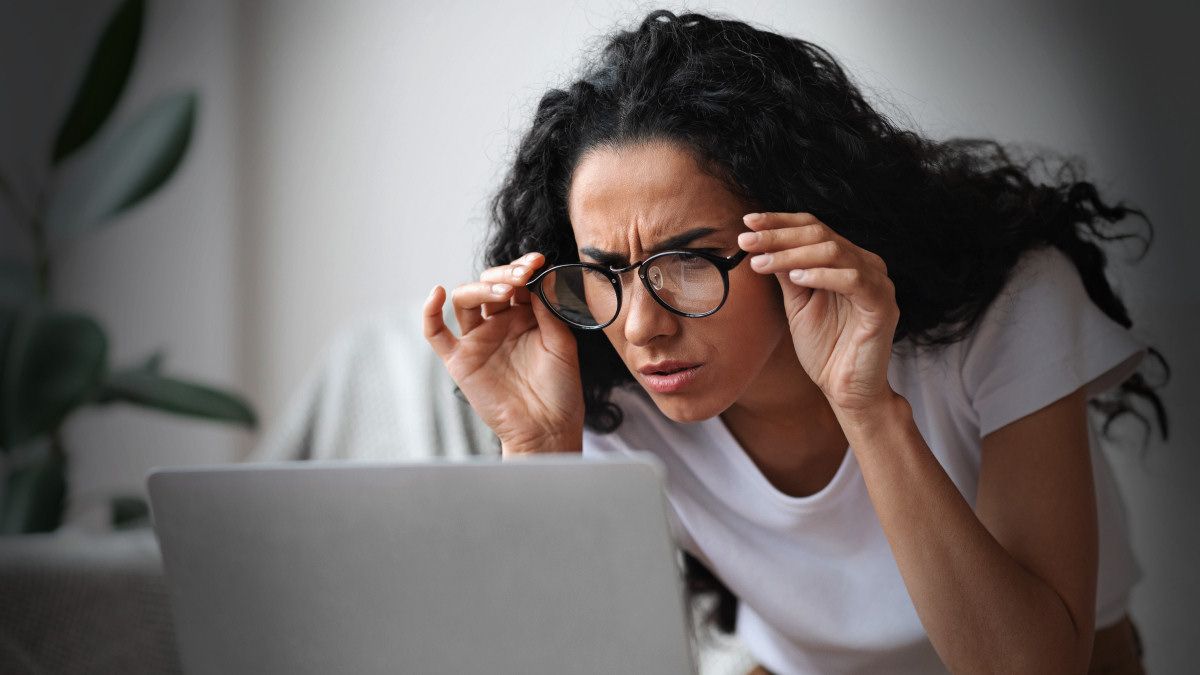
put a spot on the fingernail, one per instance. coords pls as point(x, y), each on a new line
point(748, 239)
point(431, 292)
point(796, 275)
point(752, 217)
point(760, 261)
point(518, 271)
point(500, 289)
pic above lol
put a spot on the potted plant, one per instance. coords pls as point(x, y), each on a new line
point(53, 361)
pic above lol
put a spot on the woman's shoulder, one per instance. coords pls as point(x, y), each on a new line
point(1043, 307)
point(1040, 292)
point(1041, 277)
point(1040, 339)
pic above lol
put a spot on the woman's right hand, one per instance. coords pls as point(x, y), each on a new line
point(515, 362)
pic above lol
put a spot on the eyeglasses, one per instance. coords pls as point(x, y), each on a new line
point(587, 295)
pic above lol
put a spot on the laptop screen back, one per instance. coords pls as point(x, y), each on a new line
point(547, 564)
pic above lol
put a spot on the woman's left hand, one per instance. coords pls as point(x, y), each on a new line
point(842, 311)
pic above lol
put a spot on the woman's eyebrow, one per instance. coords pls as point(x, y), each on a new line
point(682, 239)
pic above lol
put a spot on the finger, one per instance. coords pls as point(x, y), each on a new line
point(786, 237)
point(827, 253)
point(800, 294)
point(556, 335)
point(496, 275)
point(515, 270)
point(521, 274)
point(517, 273)
point(520, 297)
point(771, 220)
point(865, 290)
point(489, 309)
point(777, 231)
point(468, 300)
point(437, 333)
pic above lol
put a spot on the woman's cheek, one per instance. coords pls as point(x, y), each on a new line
point(760, 301)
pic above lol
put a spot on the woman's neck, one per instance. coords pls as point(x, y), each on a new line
point(785, 424)
point(783, 394)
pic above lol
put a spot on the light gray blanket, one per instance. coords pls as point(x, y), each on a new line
point(378, 391)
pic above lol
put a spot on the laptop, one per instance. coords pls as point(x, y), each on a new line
point(541, 564)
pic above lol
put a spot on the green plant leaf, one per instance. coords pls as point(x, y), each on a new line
point(35, 492)
point(129, 512)
point(153, 363)
point(52, 362)
point(149, 389)
point(124, 168)
point(102, 84)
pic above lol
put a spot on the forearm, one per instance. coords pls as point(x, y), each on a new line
point(982, 610)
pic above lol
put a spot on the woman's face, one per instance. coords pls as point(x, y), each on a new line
point(628, 202)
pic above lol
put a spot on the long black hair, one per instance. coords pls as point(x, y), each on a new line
point(779, 122)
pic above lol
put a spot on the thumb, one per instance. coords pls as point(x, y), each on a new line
point(794, 295)
point(556, 335)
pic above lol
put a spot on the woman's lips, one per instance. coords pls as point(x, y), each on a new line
point(667, 384)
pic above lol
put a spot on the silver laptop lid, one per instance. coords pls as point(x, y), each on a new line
point(546, 564)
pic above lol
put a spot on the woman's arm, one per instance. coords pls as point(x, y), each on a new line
point(1011, 589)
point(1011, 586)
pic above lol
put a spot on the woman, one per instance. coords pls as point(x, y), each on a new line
point(865, 358)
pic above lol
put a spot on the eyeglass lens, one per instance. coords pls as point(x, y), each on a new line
point(688, 283)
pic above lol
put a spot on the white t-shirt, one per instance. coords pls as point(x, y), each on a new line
point(819, 590)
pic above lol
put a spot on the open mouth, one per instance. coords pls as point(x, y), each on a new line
point(671, 380)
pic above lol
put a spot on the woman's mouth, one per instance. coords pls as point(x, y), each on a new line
point(671, 378)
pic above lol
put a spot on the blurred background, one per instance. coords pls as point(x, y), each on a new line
point(341, 156)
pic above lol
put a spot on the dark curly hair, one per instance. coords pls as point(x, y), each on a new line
point(778, 121)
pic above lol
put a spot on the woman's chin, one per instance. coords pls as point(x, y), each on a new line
point(684, 409)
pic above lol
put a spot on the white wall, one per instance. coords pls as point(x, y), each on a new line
point(373, 133)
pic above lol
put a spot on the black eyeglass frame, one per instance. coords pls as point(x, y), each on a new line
point(722, 263)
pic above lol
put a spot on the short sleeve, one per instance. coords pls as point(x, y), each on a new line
point(1041, 339)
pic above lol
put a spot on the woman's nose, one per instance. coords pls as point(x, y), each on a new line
point(645, 319)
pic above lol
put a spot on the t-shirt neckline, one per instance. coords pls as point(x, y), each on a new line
point(818, 500)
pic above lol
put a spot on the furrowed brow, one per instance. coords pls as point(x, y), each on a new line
point(617, 260)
